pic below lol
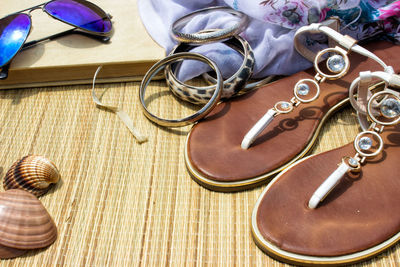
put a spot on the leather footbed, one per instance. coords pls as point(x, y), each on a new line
point(362, 211)
point(213, 146)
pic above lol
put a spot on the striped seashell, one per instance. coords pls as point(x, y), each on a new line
point(24, 221)
point(32, 173)
point(7, 253)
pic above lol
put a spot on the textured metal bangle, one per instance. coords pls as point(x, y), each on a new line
point(209, 35)
point(232, 85)
point(192, 118)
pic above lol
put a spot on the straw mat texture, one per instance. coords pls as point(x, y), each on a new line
point(124, 204)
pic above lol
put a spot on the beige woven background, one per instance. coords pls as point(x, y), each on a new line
point(124, 204)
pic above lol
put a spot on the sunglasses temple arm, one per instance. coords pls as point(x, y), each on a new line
point(104, 39)
point(4, 71)
point(61, 34)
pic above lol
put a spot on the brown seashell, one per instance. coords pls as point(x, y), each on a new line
point(32, 173)
point(24, 222)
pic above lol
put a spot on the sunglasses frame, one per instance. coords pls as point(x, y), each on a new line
point(100, 36)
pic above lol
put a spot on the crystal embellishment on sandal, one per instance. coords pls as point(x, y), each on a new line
point(390, 108)
point(285, 105)
point(365, 143)
point(303, 89)
point(353, 162)
point(338, 64)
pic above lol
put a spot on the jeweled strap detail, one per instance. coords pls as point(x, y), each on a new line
point(361, 87)
point(337, 63)
point(383, 109)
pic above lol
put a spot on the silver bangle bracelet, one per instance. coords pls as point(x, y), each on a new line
point(232, 85)
point(208, 35)
point(194, 117)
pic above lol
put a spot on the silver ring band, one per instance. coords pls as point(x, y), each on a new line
point(208, 35)
point(194, 117)
point(232, 85)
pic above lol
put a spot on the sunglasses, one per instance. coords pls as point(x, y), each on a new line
point(86, 18)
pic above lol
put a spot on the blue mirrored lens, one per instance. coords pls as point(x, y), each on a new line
point(80, 13)
point(14, 30)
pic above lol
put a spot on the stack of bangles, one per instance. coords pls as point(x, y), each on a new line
point(220, 89)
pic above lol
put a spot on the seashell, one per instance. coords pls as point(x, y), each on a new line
point(7, 253)
point(32, 173)
point(24, 221)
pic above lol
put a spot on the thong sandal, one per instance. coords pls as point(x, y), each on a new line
point(213, 153)
point(305, 218)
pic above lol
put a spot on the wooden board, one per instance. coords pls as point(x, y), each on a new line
point(73, 59)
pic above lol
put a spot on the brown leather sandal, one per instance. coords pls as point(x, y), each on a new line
point(213, 153)
point(305, 218)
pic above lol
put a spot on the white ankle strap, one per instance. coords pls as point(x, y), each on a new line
point(313, 28)
point(330, 28)
point(362, 83)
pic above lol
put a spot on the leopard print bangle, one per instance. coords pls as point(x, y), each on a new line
point(232, 85)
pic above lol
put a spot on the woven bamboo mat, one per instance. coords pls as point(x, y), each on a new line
point(125, 204)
